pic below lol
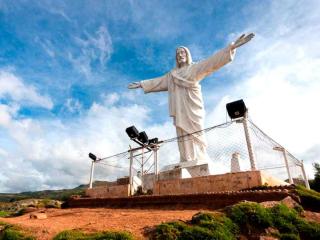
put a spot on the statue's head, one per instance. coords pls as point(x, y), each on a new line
point(183, 57)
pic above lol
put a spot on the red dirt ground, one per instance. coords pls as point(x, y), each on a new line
point(97, 219)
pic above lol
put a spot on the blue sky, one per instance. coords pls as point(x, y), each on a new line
point(65, 67)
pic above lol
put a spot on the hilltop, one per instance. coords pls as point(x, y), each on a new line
point(61, 194)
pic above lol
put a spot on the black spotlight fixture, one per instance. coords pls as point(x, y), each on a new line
point(236, 109)
point(92, 156)
point(132, 132)
point(153, 141)
point(143, 137)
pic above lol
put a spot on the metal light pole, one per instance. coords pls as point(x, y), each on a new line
point(248, 139)
point(91, 175)
point(94, 159)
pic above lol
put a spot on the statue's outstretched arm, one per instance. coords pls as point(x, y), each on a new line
point(243, 39)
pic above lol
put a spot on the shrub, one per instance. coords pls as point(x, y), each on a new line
point(310, 199)
point(11, 232)
point(4, 214)
point(250, 216)
point(201, 216)
point(169, 231)
point(203, 226)
point(308, 230)
point(196, 233)
point(216, 223)
point(284, 218)
point(78, 235)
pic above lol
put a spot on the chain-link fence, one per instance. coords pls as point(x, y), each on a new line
point(223, 141)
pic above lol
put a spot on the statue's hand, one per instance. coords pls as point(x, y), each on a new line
point(134, 85)
point(243, 39)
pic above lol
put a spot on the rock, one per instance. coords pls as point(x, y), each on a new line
point(269, 204)
point(30, 209)
point(38, 216)
point(270, 231)
point(289, 202)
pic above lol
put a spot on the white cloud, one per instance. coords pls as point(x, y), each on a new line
point(54, 154)
point(111, 99)
point(3, 152)
point(93, 47)
point(278, 77)
point(12, 87)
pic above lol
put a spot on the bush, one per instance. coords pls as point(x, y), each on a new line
point(284, 219)
point(217, 223)
point(196, 233)
point(308, 230)
point(13, 233)
point(4, 214)
point(78, 235)
point(310, 199)
point(203, 226)
point(250, 217)
point(169, 231)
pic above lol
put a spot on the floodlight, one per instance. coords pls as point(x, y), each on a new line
point(153, 141)
point(92, 156)
point(236, 109)
point(132, 132)
point(143, 137)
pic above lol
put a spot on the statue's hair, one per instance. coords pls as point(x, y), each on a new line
point(189, 58)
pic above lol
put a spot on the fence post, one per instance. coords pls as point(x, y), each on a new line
point(91, 174)
point(285, 156)
point(155, 158)
point(130, 172)
point(248, 140)
point(306, 181)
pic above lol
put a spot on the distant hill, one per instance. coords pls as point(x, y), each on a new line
point(61, 195)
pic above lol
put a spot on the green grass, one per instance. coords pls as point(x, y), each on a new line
point(4, 214)
point(202, 226)
point(310, 199)
point(11, 232)
point(78, 235)
point(250, 217)
point(246, 218)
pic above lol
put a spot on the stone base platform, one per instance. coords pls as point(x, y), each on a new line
point(196, 185)
point(210, 201)
point(216, 183)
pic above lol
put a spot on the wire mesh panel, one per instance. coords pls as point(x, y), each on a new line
point(111, 168)
point(223, 141)
point(271, 156)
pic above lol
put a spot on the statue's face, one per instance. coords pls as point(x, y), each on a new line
point(181, 55)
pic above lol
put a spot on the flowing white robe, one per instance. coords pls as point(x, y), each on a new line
point(186, 103)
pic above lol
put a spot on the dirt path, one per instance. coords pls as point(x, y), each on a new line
point(98, 219)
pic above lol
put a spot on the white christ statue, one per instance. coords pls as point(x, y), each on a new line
point(185, 97)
